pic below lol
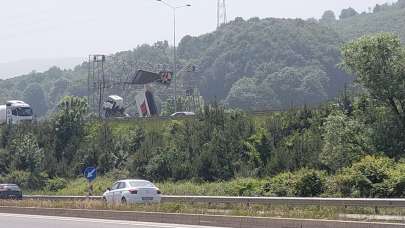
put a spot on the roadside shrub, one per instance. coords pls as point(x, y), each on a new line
point(281, 185)
point(26, 180)
point(118, 174)
point(310, 183)
point(394, 186)
point(343, 184)
point(158, 168)
point(244, 187)
point(302, 183)
point(55, 184)
point(4, 161)
point(37, 180)
point(370, 177)
point(17, 177)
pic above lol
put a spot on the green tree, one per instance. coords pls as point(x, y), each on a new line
point(349, 12)
point(328, 17)
point(379, 65)
point(26, 154)
point(345, 141)
point(58, 89)
point(69, 130)
point(4, 161)
point(34, 95)
point(368, 177)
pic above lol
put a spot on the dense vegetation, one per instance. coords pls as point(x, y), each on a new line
point(353, 146)
point(383, 18)
point(350, 146)
point(267, 64)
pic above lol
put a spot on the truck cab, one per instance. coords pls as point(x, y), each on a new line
point(18, 111)
point(114, 107)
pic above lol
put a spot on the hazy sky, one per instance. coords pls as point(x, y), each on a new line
point(76, 28)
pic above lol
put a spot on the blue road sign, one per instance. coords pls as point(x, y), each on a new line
point(90, 173)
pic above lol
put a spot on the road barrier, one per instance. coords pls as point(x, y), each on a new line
point(61, 198)
point(331, 202)
point(190, 219)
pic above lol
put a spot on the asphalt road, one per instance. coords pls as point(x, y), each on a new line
point(35, 221)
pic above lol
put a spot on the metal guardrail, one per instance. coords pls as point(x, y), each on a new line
point(332, 202)
point(344, 202)
point(61, 198)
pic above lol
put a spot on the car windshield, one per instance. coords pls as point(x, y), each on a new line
point(141, 184)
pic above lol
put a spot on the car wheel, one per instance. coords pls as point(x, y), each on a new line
point(123, 200)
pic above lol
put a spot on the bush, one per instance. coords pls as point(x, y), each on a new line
point(310, 183)
point(25, 180)
point(281, 185)
point(394, 185)
point(370, 177)
point(37, 180)
point(17, 177)
point(343, 185)
point(302, 183)
point(55, 184)
point(118, 174)
point(244, 187)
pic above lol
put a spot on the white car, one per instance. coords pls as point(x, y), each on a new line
point(131, 192)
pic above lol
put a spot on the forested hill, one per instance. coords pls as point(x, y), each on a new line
point(383, 18)
point(267, 64)
point(273, 62)
point(255, 64)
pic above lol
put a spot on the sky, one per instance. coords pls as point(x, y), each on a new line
point(43, 29)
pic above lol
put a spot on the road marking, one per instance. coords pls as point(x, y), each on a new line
point(103, 221)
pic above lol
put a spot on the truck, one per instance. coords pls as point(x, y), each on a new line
point(14, 112)
point(114, 107)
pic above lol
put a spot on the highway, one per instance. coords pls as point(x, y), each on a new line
point(34, 221)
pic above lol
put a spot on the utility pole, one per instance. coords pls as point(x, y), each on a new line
point(96, 82)
point(174, 8)
point(221, 13)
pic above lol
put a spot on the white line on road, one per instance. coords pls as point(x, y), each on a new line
point(101, 221)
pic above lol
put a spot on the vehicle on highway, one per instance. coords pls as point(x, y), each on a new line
point(131, 192)
point(10, 191)
point(182, 114)
point(14, 112)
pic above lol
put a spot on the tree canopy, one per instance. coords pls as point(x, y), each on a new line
point(379, 65)
point(35, 96)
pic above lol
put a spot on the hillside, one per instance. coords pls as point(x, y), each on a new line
point(385, 18)
point(267, 64)
point(263, 51)
point(256, 64)
point(15, 68)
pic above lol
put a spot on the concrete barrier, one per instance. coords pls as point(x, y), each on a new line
point(189, 219)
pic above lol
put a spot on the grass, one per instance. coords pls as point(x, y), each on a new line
point(77, 187)
point(239, 187)
point(309, 212)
